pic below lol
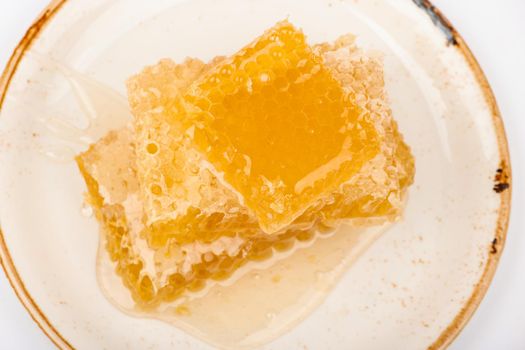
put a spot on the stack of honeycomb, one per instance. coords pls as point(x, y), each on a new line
point(241, 159)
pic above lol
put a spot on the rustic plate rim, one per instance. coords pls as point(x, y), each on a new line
point(450, 333)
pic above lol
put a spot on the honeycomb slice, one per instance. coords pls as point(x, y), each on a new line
point(277, 127)
point(156, 275)
point(152, 93)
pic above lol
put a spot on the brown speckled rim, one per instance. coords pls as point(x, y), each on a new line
point(502, 178)
point(494, 248)
point(5, 257)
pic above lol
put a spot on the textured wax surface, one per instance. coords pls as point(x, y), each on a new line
point(378, 189)
point(180, 195)
point(277, 125)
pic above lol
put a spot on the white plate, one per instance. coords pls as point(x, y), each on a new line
point(414, 288)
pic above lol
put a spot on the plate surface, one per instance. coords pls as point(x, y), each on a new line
point(414, 288)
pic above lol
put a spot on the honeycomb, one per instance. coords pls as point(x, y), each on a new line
point(207, 206)
point(277, 126)
point(155, 275)
point(179, 195)
point(173, 220)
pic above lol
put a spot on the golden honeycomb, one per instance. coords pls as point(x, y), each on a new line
point(277, 126)
point(161, 274)
point(207, 206)
point(173, 222)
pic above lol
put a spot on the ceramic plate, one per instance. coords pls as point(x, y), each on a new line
point(414, 288)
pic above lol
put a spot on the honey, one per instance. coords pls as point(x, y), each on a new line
point(241, 161)
point(161, 274)
point(259, 118)
point(180, 196)
point(197, 200)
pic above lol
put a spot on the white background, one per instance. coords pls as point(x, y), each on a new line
point(495, 31)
